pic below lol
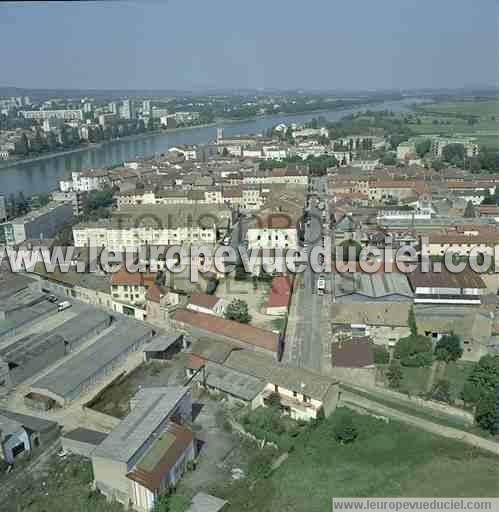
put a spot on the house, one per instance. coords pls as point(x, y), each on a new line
point(279, 297)
point(204, 303)
point(384, 322)
point(304, 395)
point(21, 434)
point(147, 453)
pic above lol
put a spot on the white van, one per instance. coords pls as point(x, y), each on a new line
point(63, 305)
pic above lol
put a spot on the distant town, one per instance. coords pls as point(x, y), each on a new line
point(173, 391)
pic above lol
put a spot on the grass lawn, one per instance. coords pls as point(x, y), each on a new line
point(385, 461)
point(457, 374)
point(414, 380)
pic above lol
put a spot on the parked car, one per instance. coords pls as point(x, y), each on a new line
point(63, 305)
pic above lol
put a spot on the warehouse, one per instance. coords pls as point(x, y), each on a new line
point(378, 287)
point(31, 354)
point(22, 310)
point(72, 379)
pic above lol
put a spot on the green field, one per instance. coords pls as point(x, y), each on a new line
point(453, 118)
point(386, 460)
point(484, 109)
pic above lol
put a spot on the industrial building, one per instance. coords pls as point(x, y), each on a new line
point(70, 380)
point(148, 451)
point(376, 287)
point(31, 354)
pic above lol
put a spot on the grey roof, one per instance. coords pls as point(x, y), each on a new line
point(84, 435)
point(74, 330)
point(11, 283)
point(70, 375)
point(235, 383)
point(151, 406)
point(25, 315)
point(213, 350)
point(293, 379)
point(203, 502)
point(373, 286)
point(8, 426)
point(30, 422)
point(162, 343)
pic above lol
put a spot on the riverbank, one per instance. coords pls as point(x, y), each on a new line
point(46, 156)
point(91, 146)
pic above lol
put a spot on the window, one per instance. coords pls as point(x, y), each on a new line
point(276, 388)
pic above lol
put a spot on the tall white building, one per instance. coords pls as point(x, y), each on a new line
point(127, 109)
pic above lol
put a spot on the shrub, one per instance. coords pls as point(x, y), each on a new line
point(441, 391)
point(394, 374)
point(345, 431)
point(381, 355)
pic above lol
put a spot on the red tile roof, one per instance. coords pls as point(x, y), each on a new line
point(203, 300)
point(230, 329)
point(123, 277)
point(280, 292)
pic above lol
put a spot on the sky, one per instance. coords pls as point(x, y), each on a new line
point(257, 44)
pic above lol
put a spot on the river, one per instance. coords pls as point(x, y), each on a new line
point(41, 176)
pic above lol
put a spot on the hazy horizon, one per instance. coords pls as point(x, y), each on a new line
point(195, 46)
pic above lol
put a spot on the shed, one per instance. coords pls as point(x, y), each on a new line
point(82, 441)
point(163, 347)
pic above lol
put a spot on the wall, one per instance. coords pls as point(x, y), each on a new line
point(110, 478)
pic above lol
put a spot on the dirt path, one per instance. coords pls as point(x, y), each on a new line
point(448, 432)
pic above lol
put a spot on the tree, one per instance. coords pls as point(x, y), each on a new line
point(414, 351)
point(454, 153)
point(238, 310)
point(274, 400)
point(437, 165)
point(389, 159)
point(486, 413)
point(448, 348)
point(469, 211)
point(411, 322)
point(345, 430)
point(485, 374)
point(423, 147)
point(394, 374)
point(171, 503)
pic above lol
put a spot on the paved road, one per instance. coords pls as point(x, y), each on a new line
point(304, 343)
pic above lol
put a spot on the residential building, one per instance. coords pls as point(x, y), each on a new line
point(162, 225)
point(273, 231)
point(127, 110)
point(44, 222)
point(384, 322)
point(3, 209)
point(85, 181)
point(470, 144)
point(204, 303)
point(65, 114)
point(279, 297)
point(77, 199)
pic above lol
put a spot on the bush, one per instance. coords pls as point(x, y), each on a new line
point(345, 431)
point(394, 374)
point(441, 391)
point(417, 360)
point(381, 355)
